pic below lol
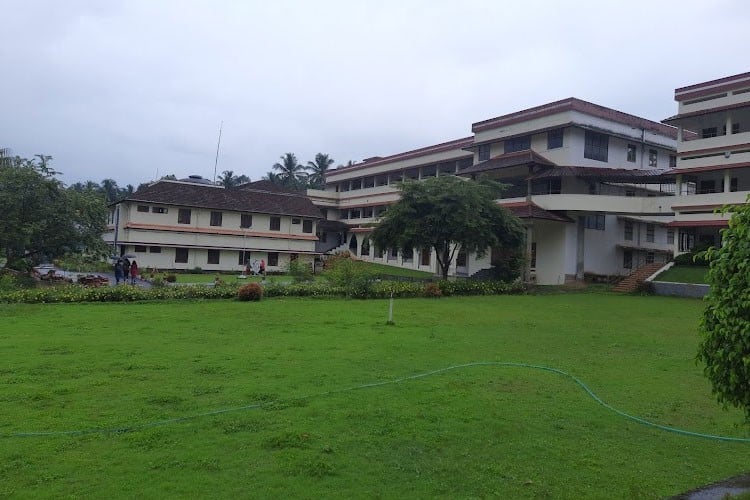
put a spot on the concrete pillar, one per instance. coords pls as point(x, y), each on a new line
point(529, 241)
point(678, 185)
point(727, 180)
point(729, 123)
point(580, 247)
point(679, 133)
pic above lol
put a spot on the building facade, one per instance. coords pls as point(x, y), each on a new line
point(185, 225)
point(713, 163)
point(585, 179)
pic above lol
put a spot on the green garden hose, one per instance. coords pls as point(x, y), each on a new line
point(254, 406)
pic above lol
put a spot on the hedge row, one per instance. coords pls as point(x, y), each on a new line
point(362, 290)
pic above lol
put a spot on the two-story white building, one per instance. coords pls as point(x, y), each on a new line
point(713, 164)
point(590, 183)
point(188, 224)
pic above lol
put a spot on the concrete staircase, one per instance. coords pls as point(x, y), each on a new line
point(631, 282)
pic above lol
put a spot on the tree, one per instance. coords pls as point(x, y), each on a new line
point(42, 218)
point(317, 170)
point(270, 176)
point(111, 191)
point(725, 325)
point(228, 179)
point(291, 173)
point(449, 214)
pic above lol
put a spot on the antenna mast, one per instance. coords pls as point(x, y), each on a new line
point(218, 145)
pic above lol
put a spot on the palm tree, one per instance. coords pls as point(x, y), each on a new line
point(318, 168)
point(291, 173)
point(109, 186)
point(270, 176)
point(228, 179)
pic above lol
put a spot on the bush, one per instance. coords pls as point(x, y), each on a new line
point(251, 291)
point(344, 272)
point(695, 257)
point(432, 290)
point(299, 271)
point(170, 278)
point(196, 270)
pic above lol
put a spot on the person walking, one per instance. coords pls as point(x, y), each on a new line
point(133, 272)
point(119, 270)
point(126, 269)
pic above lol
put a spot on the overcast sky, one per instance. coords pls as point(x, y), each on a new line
point(133, 90)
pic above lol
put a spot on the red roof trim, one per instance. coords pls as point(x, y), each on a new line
point(709, 168)
point(698, 223)
point(712, 87)
point(574, 104)
point(702, 112)
point(437, 148)
point(718, 149)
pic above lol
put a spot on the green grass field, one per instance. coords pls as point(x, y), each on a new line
point(685, 274)
point(471, 432)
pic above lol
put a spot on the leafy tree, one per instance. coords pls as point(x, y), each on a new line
point(291, 173)
point(273, 177)
point(41, 217)
point(228, 179)
point(317, 170)
point(111, 191)
point(447, 214)
point(725, 325)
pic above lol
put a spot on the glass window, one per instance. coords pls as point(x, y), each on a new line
point(407, 255)
point(143, 208)
point(243, 257)
point(483, 151)
point(649, 257)
point(670, 236)
point(424, 257)
point(183, 216)
point(461, 259)
point(595, 222)
point(653, 156)
point(158, 210)
point(296, 220)
point(596, 146)
point(708, 132)
point(631, 153)
point(356, 184)
point(307, 226)
point(246, 220)
point(650, 232)
point(275, 223)
point(273, 258)
point(181, 255)
point(214, 256)
point(154, 249)
point(628, 231)
point(216, 218)
point(140, 249)
point(555, 138)
point(627, 259)
point(517, 144)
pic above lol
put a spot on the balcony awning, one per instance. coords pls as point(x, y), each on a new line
point(699, 223)
point(529, 210)
point(517, 159)
point(609, 174)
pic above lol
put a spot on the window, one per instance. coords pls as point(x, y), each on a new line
point(354, 213)
point(296, 220)
point(650, 233)
point(356, 184)
point(628, 235)
point(670, 236)
point(649, 257)
point(365, 247)
point(307, 226)
point(158, 210)
point(393, 253)
point(381, 180)
point(672, 161)
point(140, 249)
point(708, 132)
point(706, 187)
point(243, 257)
point(596, 146)
point(275, 223)
point(216, 218)
point(143, 208)
point(367, 212)
point(411, 175)
point(154, 249)
point(183, 216)
point(181, 255)
point(273, 258)
point(517, 144)
point(424, 257)
point(555, 138)
point(461, 259)
point(483, 152)
point(595, 222)
point(465, 163)
point(378, 253)
point(214, 256)
point(631, 153)
point(627, 259)
point(246, 220)
point(407, 255)
point(653, 156)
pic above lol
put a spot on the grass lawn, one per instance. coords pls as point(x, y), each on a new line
point(685, 274)
point(471, 432)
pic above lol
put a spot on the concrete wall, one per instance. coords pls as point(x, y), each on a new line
point(680, 289)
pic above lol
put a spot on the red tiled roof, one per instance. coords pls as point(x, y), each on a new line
point(530, 210)
point(519, 158)
point(254, 197)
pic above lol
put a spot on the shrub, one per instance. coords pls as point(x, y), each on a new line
point(299, 271)
point(196, 270)
point(170, 278)
point(432, 290)
point(352, 276)
point(251, 291)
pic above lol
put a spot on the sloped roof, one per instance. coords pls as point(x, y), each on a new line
point(518, 158)
point(607, 174)
point(257, 197)
point(530, 210)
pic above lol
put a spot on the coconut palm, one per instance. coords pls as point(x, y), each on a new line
point(291, 173)
point(109, 186)
point(317, 170)
point(228, 179)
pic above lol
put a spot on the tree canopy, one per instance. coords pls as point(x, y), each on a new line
point(43, 218)
point(449, 214)
point(725, 325)
point(317, 170)
point(291, 173)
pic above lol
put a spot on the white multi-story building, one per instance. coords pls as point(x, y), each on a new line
point(713, 164)
point(590, 183)
point(189, 224)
